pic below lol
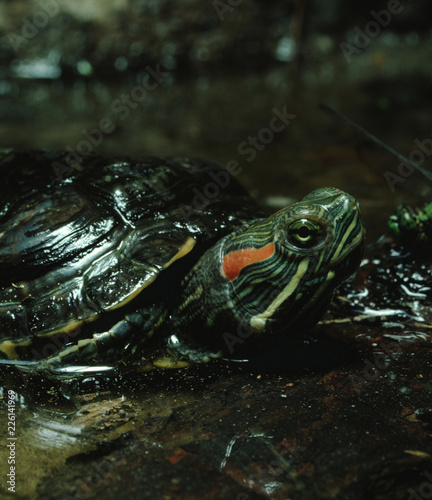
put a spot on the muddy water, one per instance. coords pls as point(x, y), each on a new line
point(50, 428)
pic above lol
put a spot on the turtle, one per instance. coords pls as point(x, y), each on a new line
point(158, 262)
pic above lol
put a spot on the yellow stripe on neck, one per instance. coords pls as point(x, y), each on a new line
point(258, 321)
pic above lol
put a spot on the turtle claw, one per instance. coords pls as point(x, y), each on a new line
point(190, 353)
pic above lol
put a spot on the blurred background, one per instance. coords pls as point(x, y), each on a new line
point(206, 79)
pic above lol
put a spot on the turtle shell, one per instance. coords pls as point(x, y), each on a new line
point(77, 250)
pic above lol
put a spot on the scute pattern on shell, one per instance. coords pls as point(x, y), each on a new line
point(73, 248)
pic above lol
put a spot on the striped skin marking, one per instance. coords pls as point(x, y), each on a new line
point(316, 296)
point(258, 321)
point(348, 233)
point(93, 348)
point(341, 245)
point(193, 297)
point(235, 261)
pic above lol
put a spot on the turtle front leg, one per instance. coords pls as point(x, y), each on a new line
point(122, 342)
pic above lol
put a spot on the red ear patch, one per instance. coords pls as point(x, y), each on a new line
point(235, 261)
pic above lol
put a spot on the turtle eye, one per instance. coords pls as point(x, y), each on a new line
point(305, 233)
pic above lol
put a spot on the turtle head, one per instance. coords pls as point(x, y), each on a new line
point(275, 275)
point(281, 271)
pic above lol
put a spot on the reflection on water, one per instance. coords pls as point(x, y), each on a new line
point(47, 433)
point(52, 422)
